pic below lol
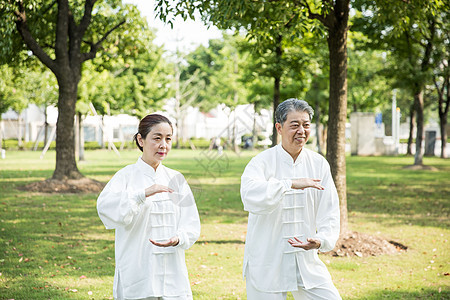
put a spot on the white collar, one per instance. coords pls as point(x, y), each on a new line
point(147, 169)
point(287, 157)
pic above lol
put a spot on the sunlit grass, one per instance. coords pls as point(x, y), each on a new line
point(54, 246)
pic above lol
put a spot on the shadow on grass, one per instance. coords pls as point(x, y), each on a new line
point(221, 203)
point(439, 221)
point(48, 241)
point(380, 185)
point(220, 242)
point(425, 293)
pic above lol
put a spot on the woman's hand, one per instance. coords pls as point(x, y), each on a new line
point(302, 183)
point(171, 242)
point(311, 243)
point(157, 188)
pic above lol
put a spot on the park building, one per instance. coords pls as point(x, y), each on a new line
point(220, 122)
point(365, 133)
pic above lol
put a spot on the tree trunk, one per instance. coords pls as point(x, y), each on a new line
point(418, 156)
point(442, 125)
point(276, 102)
point(276, 88)
point(235, 145)
point(1, 133)
point(178, 139)
point(337, 46)
point(81, 137)
point(77, 135)
point(177, 105)
point(45, 126)
point(254, 134)
point(412, 121)
point(66, 166)
point(443, 113)
point(317, 117)
point(19, 132)
point(66, 65)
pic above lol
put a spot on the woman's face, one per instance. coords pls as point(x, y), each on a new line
point(156, 144)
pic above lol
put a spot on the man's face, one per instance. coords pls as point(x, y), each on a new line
point(295, 131)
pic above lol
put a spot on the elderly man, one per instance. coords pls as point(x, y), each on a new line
point(293, 212)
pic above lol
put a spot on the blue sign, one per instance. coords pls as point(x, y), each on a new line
point(378, 119)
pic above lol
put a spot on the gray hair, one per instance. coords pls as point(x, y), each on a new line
point(292, 104)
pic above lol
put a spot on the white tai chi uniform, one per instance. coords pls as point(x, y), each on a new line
point(277, 213)
point(143, 270)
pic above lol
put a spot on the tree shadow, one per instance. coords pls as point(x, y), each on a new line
point(220, 242)
point(424, 293)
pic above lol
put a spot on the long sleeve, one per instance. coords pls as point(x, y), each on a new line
point(259, 194)
point(117, 204)
point(189, 224)
point(327, 212)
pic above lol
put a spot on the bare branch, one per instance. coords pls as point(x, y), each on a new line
point(94, 47)
point(192, 78)
point(72, 25)
point(86, 20)
point(439, 90)
point(48, 8)
point(62, 30)
point(447, 83)
point(288, 23)
point(322, 18)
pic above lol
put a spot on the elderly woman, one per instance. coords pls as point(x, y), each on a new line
point(153, 211)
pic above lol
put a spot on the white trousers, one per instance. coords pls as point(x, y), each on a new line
point(162, 298)
point(326, 291)
point(121, 297)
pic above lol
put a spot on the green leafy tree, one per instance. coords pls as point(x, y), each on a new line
point(441, 78)
point(273, 21)
point(14, 95)
point(410, 30)
point(369, 87)
point(283, 63)
point(63, 35)
point(186, 95)
point(220, 70)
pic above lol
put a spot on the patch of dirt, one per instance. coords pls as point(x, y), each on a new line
point(420, 167)
point(83, 185)
point(364, 245)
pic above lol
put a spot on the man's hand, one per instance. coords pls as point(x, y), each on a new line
point(157, 188)
point(171, 242)
point(311, 243)
point(302, 183)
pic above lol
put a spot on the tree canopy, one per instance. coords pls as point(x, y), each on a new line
point(63, 35)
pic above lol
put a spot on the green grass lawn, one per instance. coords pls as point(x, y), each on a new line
point(53, 246)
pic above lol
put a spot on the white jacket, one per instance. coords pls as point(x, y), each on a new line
point(143, 269)
point(277, 213)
